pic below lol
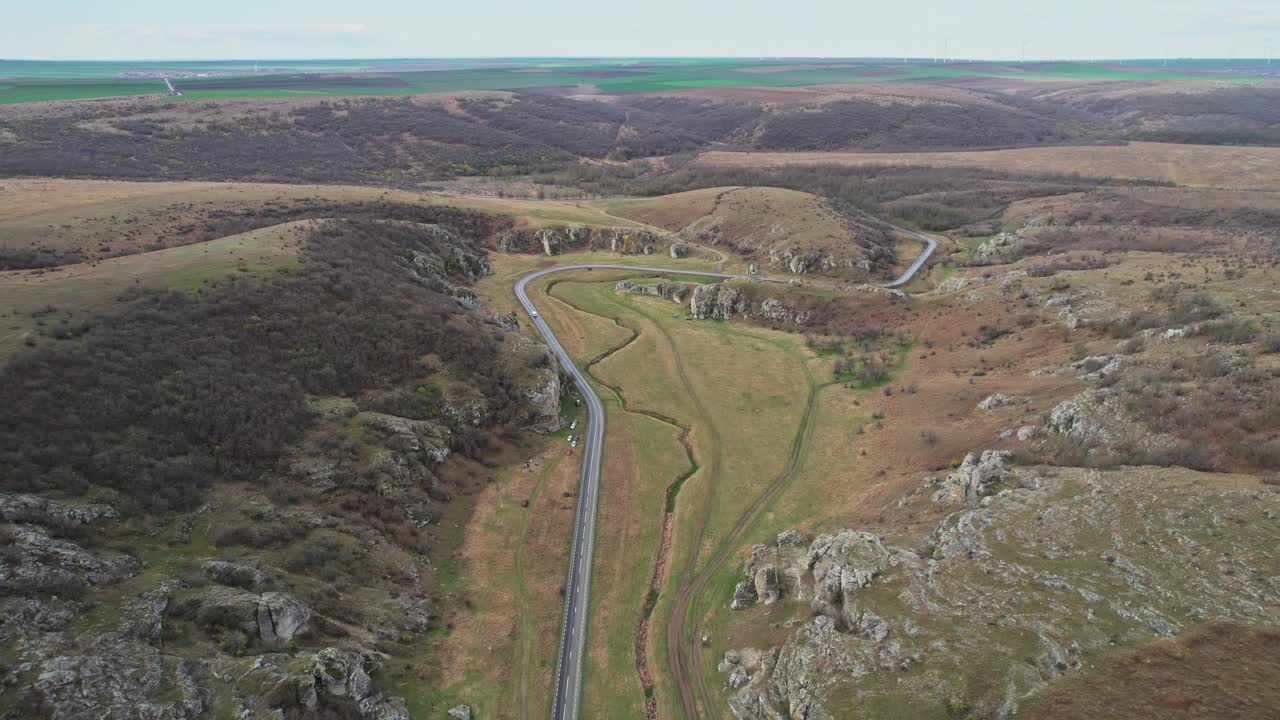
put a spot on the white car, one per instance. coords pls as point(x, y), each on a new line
point(533, 313)
point(573, 425)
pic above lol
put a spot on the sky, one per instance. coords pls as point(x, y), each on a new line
point(296, 29)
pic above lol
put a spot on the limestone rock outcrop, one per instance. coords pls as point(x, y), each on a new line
point(1051, 558)
point(245, 577)
point(976, 476)
point(37, 562)
point(998, 400)
point(272, 616)
point(560, 239)
point(1003, 248)
point(827, 572)
point(348, 674)
point(118, 680)
point(842, 564)
point(675, 291)
point(43, 511)
point(418, 437)
point(716, 301)
point(537, 379)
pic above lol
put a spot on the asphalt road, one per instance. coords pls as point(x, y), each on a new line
point(573, 630)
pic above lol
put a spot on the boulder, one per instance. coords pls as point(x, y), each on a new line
point(281, 616)
point(679, 250)
point(338, 673)
point(998, 400)
point(975, 477)
point(1097, 367)
point(344, 673)
point(460, 712)
point(1003, 248)
point(272, 616)
point(245, 577)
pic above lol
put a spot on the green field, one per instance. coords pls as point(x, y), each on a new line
point(23, 91)
point(30, 81)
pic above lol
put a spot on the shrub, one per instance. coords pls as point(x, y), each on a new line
point(176, 391)
point(1270, 343)
point(1229, 331)
point(1197, 308)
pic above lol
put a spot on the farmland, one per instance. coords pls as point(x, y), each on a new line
point(23, 91)
point(34, 81)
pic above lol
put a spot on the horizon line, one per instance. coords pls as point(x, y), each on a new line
point(755, 58)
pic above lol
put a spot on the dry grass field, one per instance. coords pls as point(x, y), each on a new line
point(764, 224)
point(1242, 168)
point(747, 217)
point(104, 218)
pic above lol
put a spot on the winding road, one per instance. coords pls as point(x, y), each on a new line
point(573, 633)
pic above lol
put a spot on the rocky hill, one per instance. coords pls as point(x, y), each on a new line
point(227, 503)
point(782, 230)
point(1033, 574)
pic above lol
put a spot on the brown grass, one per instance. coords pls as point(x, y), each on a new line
point(1198, 165)
point(84, 215)
point(1221, 671)
point(758, 222)
point(493, 632)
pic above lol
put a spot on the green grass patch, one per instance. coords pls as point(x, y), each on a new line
point(25, 91)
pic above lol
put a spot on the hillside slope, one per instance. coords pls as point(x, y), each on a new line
point(782, 230)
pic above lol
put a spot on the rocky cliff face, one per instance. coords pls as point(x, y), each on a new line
point(1003, 248)
point(71, 671)
point(678, 292)
point(536, 374)
point(274, 582)
point(37, 561)
point(561, 239)
point(1038, 572)
point(717, 301)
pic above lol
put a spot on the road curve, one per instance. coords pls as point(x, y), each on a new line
point(573, 632)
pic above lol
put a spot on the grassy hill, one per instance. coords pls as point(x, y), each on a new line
point(782, 230)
